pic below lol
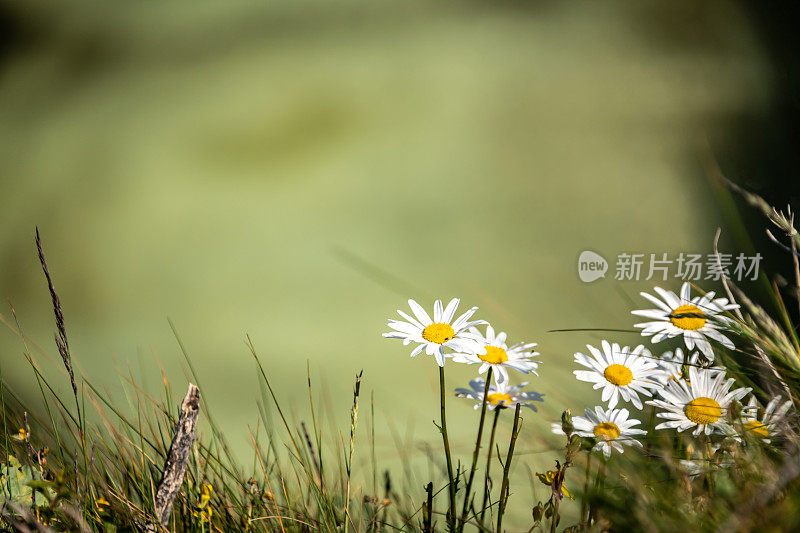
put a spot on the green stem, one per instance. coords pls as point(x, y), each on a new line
point(489, 465)
point(475, 453)
point(506, 469)
point(584, 502)
point(451, 513)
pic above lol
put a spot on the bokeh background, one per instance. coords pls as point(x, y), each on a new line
point(296, 170)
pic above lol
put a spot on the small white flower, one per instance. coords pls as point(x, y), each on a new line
point(697, 319)
point(671, 364)
point(435, 335)
point(620, 372)
point(499, 396)
point(701, 402)
point(770, 423)
point(494, 353)
point(611, 428)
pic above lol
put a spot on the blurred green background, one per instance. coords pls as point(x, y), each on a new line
point(296, 171)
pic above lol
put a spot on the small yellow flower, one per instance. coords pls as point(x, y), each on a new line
point(547, 479)
point(205, 494)
point(203, 511)
point(204, 514)
point(21, 435)
point(103, 505)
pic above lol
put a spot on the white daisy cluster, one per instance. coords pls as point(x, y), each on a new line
point(460, 341)
point(622, 373)
point(688, 392)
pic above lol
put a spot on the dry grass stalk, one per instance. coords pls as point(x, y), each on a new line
point(61, 335)
point(178, 455)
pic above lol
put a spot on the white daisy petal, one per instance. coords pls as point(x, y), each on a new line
point(420, 313)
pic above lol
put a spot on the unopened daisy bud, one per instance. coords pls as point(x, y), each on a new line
point(566, 422)
point(538, 513)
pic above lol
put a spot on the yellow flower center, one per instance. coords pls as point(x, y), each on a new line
point(688, 317)
point(606, 430)
point(703, 410)
point(619, 375)
point(438, 333)
point(756, 428)
point(494, 355)
point(496, 398)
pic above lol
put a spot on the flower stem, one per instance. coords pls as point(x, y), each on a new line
point(451, 513)
point(489, 465)
point(555, 518)
point(585, 499)
point(506, 468)
point(475, 454)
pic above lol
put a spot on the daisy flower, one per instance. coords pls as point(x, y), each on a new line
point(697, 319)
point(495, 354)
point(620, 372)
point(770, 423)
point(500, 396)
point(611, 428)
point(699, 402)
point(671, 364)
point(435, 335)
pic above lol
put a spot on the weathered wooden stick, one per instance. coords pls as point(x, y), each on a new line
point(178, 455)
